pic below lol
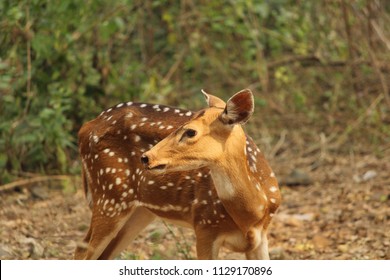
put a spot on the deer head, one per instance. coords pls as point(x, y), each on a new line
point(206, 138)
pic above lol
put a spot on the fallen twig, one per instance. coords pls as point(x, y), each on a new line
point(29, 181)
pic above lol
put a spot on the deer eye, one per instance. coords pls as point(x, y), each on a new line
point(190, 133)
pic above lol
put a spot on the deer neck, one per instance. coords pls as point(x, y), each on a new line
point(235, 187)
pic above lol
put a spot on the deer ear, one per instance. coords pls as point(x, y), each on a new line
point(239, 108)
point(213, 101)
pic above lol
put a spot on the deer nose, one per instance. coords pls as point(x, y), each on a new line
point(144, 159)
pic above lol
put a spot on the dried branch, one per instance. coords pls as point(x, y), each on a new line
point(279, 144)
point(343, 137)
point(175, 66)
point(30, 181)
point(29, 94)
point(382, 78)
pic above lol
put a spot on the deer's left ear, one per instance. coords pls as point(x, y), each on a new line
point(213, 101)
point(239, 108)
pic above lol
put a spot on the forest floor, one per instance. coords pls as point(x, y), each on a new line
point(341, 212)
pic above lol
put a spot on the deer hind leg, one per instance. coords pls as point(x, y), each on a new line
point(140, 219)
point(81, 249)
point(102, 231)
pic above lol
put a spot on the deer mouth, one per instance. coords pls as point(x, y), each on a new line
point(158, 168)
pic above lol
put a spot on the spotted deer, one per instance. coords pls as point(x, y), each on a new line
point(199, 170)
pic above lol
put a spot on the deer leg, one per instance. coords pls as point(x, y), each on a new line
point(264, 254)
point(261, 251)
point(101, 232)
point(207, 245)
point(140, 218)
point(81, 249)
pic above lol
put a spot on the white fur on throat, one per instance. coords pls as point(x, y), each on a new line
point(223, 185)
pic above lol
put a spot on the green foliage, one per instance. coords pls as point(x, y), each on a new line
point(62, 62)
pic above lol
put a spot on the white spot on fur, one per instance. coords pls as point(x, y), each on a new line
point(261, 208)
point(253, 158)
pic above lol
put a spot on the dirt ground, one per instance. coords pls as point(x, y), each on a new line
point(340, 212)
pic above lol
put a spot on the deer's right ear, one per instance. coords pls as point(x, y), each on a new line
point(239, 108)
point(213, 101)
